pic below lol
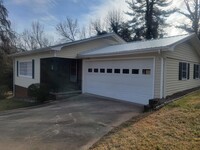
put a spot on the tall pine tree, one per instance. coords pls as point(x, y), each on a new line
point(149, 17)
point(5, 49)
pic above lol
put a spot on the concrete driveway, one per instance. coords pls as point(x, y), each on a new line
point(75, 123)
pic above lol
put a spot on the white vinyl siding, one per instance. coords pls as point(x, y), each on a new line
point(182, 53)
point(73, 50)
point(24, 81)
point(25, 69)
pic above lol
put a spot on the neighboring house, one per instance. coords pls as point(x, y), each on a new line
point(108, 66)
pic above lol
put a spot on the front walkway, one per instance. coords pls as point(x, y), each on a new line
point(72, 124)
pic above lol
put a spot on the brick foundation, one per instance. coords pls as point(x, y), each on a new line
point(21, 92)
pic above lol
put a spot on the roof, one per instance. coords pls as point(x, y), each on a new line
point(60, 46)
point(164, 44)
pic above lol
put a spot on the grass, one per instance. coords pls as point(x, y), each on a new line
point(174, 127)
point(8, 104)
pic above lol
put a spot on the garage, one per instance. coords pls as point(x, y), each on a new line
point(125, 79)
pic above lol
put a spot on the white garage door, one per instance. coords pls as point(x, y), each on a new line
point(129, 80)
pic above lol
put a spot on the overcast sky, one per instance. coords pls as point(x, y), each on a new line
point(49, 12)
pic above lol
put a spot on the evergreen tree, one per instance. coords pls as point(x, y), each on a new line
point(124, 32)
point(6, 34)
point(6, 37)
point(149, 17)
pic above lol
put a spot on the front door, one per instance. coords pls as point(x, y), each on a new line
point(73, 71)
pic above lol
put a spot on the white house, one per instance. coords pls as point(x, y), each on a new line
point(108, 66)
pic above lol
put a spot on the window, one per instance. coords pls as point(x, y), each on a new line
point(196, 71)
point(102, 70)
point(125, 71)
point(117, 71)
point(135, 71)
point(90, 70)
point(25, 69)
point(96, 70)
point(146, 71)
point(184, 71)
point(109, 70)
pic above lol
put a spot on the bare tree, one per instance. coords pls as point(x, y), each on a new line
point(68, 29)
point(39, 36)
point(99, 26)
point(83, 33)
point(193, 14)
point(33, 38)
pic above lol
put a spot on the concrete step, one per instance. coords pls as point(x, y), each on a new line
point(64, 95)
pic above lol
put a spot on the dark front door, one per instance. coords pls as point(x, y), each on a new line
point(73, 71)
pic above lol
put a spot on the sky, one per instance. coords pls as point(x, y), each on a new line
point(50, 12)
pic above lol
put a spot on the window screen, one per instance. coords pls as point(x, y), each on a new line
point(184, 71)
point(25, 69)
point(196, 71)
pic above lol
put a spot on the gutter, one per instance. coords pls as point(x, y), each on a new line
point(128, 52)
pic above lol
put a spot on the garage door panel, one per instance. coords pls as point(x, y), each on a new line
point(130, 87)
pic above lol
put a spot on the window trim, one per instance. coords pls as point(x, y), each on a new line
point(19, 71)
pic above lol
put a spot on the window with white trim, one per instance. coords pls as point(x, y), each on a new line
point(25, 69)
point(184, 71)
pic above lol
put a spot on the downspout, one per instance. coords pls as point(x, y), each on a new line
point(162, 77)
point(14, 77)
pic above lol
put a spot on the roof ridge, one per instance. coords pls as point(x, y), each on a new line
point(160, 38)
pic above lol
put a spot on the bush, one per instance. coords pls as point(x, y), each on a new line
point(40, 92)
point(3, 90)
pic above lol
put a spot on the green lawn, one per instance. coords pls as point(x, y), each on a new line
point(8, 104)
point(174, 127)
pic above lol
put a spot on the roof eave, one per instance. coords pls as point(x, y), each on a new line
point(139, 51)
point(30, 52)
point(60, 46)
point(172, 46)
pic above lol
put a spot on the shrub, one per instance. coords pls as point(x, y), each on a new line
point(40, 92)
point(3, 90)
